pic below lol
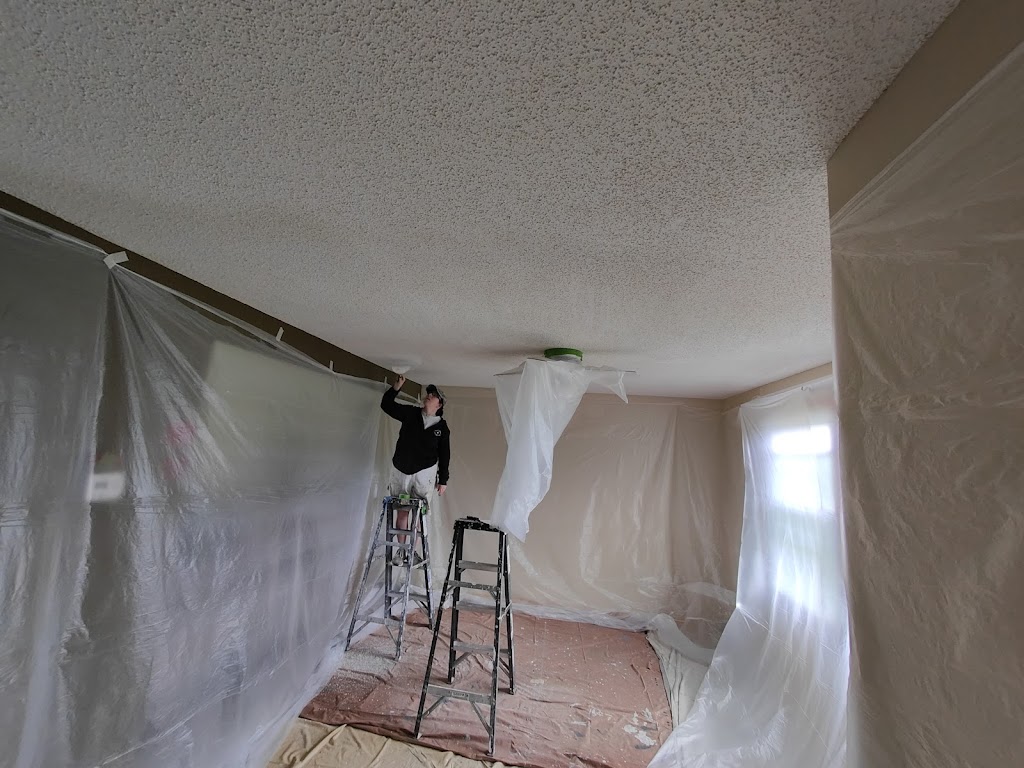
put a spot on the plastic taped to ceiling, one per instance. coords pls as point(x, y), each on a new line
point(775, 694)
point(536, 402)
point(184, 516)
point(928, 266)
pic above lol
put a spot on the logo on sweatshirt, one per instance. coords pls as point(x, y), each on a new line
point(437, 433)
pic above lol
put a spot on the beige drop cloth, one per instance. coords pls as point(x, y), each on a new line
point(315, 745)
point(585, 695)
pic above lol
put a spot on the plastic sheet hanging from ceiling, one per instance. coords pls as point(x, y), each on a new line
point(662, 478)
point(775, 694)
point(184, 511)
point(536, 401)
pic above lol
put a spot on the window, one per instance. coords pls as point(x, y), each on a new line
point(802, 477)
point(802, 516)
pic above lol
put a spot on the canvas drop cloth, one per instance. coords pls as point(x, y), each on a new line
point(585, 695)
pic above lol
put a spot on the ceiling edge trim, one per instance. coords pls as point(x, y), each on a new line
point(973, 40)
point(329, 355)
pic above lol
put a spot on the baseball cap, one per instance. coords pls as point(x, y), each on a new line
point(432, 389)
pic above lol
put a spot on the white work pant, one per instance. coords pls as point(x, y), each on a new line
point(420, 484)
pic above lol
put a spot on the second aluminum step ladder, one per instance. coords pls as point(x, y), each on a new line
point(501, 609)
point(398, 588)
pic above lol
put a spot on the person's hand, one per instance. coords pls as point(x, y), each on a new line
point(440, 489)
point(399, 382)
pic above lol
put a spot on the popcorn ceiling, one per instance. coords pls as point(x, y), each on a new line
point(463, 184)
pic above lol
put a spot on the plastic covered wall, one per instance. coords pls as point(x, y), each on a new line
point(638, 521)
point(52, 309)
point(928, 269)
point(775, 694)
point(188, 611)
point(536, 402)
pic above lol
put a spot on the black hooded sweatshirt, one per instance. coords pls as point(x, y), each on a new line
point(418, 447)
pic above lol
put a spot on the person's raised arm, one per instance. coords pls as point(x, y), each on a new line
point(388, 404)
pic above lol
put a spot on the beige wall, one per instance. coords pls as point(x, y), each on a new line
point(975, 37)
point(643, 511)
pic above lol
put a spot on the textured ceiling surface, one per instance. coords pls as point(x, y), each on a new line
point(458, 185)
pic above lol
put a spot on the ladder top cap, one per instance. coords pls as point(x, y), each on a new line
point(476, 524)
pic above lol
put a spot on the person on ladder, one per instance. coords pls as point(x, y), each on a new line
point(420, 463)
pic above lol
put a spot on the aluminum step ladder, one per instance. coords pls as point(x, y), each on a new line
point(398, 588)
point(503, 658)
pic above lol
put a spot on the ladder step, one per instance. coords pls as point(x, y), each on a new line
point(462, 605)
point(458, 645)
point(396, 545)
point(472, 565)
point(470, 585)
point(400, 531)
point(456, 693)
point(420, 564)
point(378, 620)
point(414, 594)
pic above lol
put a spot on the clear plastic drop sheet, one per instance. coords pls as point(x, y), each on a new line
point(202, 592)
point(928, 270)
point(52, 310)
point(536, 402)
point(639, 520)
point(775, 694)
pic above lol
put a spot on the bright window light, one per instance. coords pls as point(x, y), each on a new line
point(803, 495)
point(811, 441)
point(801, 469)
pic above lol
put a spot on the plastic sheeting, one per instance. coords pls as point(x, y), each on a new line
point(928, 267)
point(775, 694)
point(536, 402)
point(185, 614)
point(52, 308)
point(640, 519)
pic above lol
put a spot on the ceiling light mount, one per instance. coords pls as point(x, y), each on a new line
point(565, 354)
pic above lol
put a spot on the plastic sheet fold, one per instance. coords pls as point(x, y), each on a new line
point(775, 693)
point(642, 516)
point(184, 516)
point(928, 267)
point(536, 402)
point(52, 340)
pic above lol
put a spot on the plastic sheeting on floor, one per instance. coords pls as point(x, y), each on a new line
point(775, 695)
point(929, 286)
point(183, 511)
point(536, 402)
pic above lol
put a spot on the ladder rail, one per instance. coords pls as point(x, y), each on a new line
point(433, 649)
point(502, 549)
point(502, 659)
point(366, 575)
point(395, 597)
point(508, 626)
point(456, 597)
point(426, 568)
point(415, 530)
